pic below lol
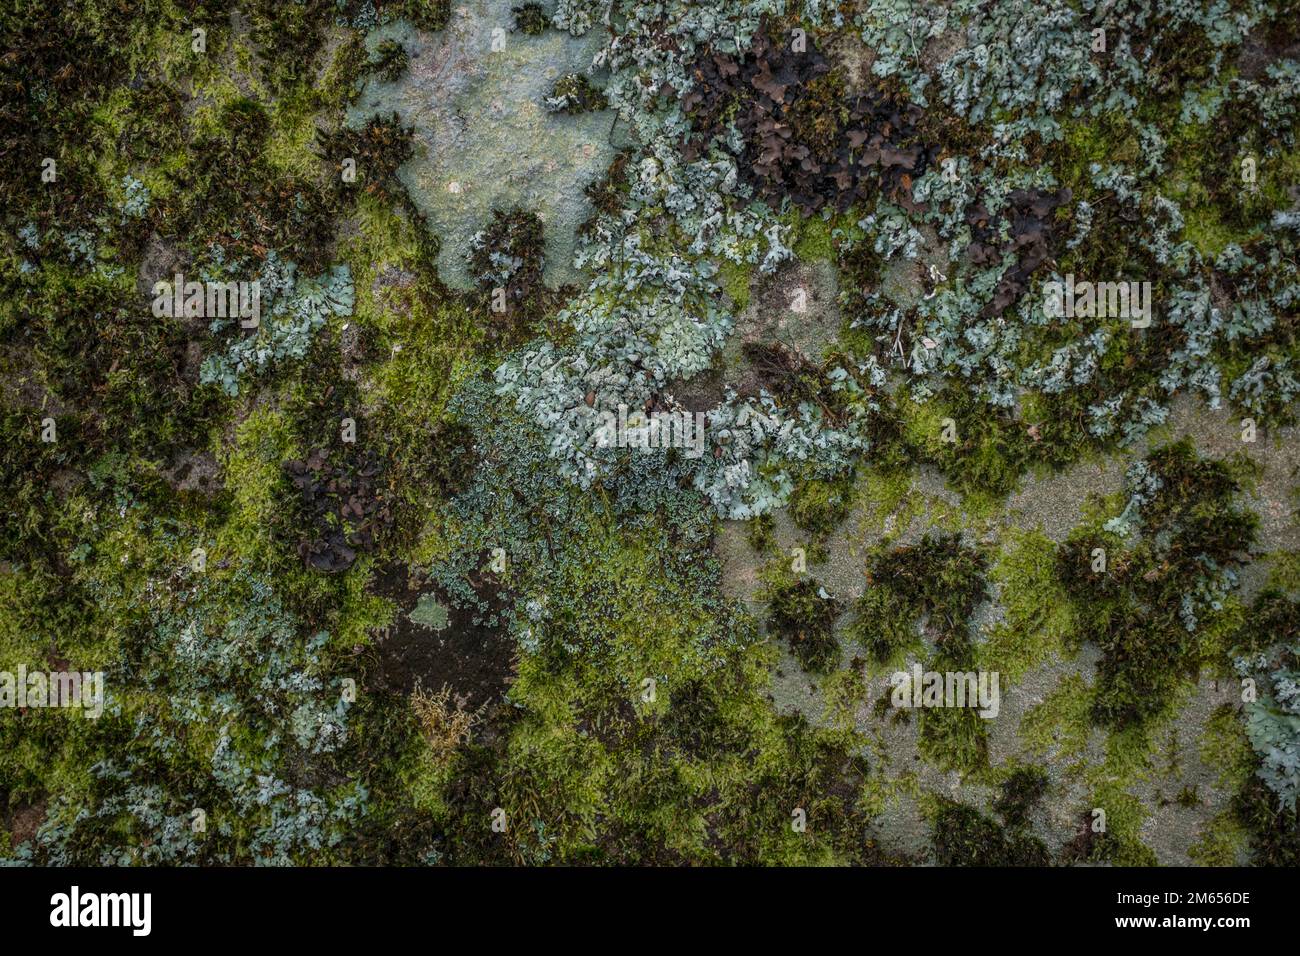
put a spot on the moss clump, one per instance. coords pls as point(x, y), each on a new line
point(939, 579)
point(804, 615)
point(1038, 617)
point(821, 111)
point(530, 19)
point(378, 149)
point(506, 260)
point(962, 836)
point(1020, 793)
point(992, 448)
point(954, 738)
point(607, 193)
point(249, 188)
point(761, 533)
point(427, 15)
point(1120, 842)
point(814, 236)
point(1266, 646)
point(819, 506)
point(390, 61)
point(1147, 609)
point(1274, 829)
point(938, 582)
point(735, 280)
point(574, 93)
point(860, 268)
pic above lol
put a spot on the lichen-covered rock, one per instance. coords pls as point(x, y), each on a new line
point(475, 93)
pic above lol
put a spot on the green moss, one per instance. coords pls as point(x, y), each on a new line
point(1084, 142)
point(883, 626)
point(1217, 207)
point(1038, 617)
point(1121, 842)
point(801, 613)
point(820, 113)
point(1274, 830)
point(1138, 610)
point(962, 836)
point(761, 534)
point(813, 240)
point(255, 481)
point(736, 279)
point(938, 578)
point(530, 19)
point(922, 423)
point(1284, 570)
point(390, 61)
point(981, 450)
point(818, 506)
point(937, 583)
point(888, 492)
point(1225, 747)
point(1061, 724)
point(954, 738)
point(1222, 842)
point(1021, 791)
point(575, 93)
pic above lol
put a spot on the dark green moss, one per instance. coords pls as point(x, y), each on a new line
point(992, 448)
point(378, 148)
point(760, 533)
point(962, 836)
point(1020, 793)
point(390, 61)
point(938, 578)
point(805, 618)
point(506, 261)
point(818, 506)
point(1274, 830)
point(574, 93)
point(530, 19)
point(1136, 610)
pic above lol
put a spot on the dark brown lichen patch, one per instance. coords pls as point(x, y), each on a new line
point(344, 500)
point(1028, 226)
point(806, 138)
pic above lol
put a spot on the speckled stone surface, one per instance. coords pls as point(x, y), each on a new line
point(483, 138)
